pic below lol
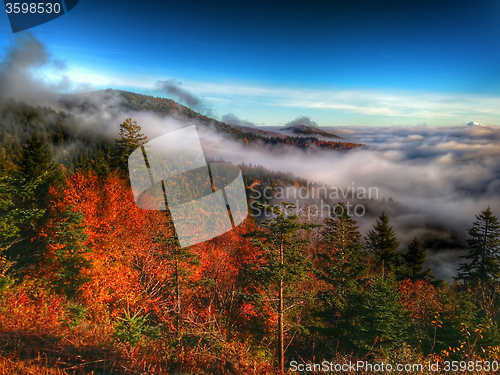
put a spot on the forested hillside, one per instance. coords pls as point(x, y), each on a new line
point(90, 282)
point(308, 130)
point(260, 139)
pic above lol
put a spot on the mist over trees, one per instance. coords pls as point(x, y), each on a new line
point(86, 273)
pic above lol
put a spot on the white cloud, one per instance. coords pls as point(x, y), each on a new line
point(414, 137)
point(448, 108)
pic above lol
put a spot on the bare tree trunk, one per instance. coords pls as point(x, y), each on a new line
point(177, 298)
point(280, 316)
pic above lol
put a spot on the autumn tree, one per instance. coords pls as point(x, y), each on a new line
point(118, 233)
point(422, 302)
point(182, 261)
point(228, 305)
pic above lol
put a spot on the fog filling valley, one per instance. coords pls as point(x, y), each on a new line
point(440, 177)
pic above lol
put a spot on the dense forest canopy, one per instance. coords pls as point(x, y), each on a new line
point(92, 282)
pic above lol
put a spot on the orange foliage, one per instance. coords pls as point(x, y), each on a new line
point(420, 299)
point(118, 233)
point(31, 309)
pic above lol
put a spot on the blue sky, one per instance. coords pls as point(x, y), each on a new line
point(341, 63)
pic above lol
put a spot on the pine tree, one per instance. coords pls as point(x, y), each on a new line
point(484, 250)
point(13, 218)
point(340, 261)
point(376, 318)
point(481, 272)
point(340, 264)
point(130, 139)
point(30, 195)
point(340, 229)
point(381, 242)
point(69, 250)
point(414, 261)
point(36, 163)
point(285, 266)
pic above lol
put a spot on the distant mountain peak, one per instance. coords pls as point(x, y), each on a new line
point(473, 123)
point(308, 130)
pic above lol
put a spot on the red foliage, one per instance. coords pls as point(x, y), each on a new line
point(420, 299)
point(118, 233)
point(31, 309)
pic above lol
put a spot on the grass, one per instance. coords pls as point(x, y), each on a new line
point(29, 367)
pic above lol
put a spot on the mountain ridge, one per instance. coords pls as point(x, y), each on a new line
point(257, 138)
point(309, 130)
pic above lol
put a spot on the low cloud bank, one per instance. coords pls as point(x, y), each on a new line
point(302, 120)
point(232, 119)
point(440, 177)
